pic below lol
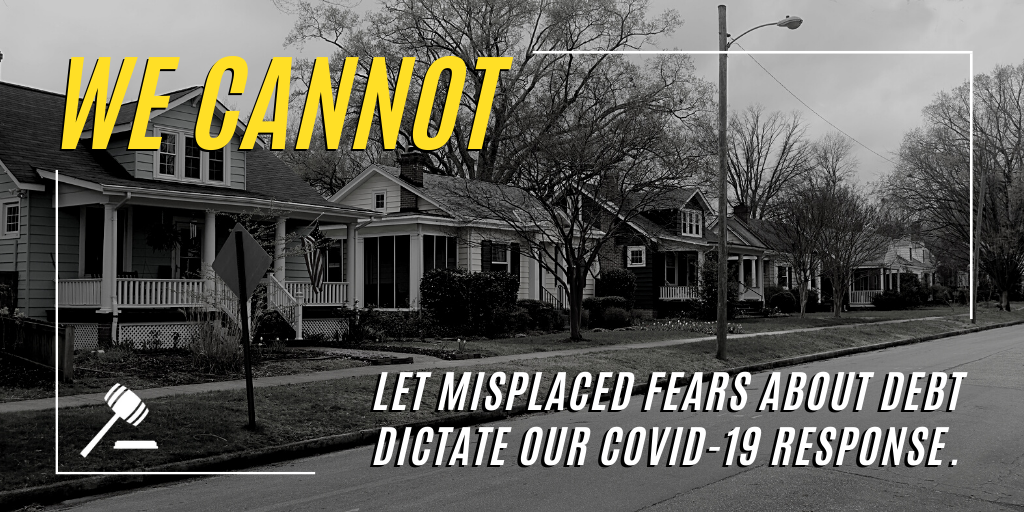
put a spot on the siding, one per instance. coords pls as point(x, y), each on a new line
point(42, 236)
point(67, 242)
point(362, 196)
point(141, 163)
point(13, 251)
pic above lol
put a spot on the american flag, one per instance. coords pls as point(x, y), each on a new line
point(316, 264)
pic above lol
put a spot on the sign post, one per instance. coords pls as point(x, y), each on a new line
point(241, 263)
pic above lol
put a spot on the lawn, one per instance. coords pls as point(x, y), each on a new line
point(193, 426)
point(654, 331)
point(140, 370)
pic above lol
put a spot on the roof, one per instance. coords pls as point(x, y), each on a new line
point(31, 129)
point(126, 114)
point(452, 194)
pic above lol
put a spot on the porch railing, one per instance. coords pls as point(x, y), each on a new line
point(677, 292)
point(136, 293)
point(331, 294)
point(556, 299)
point(78, 292)
point(863, 296)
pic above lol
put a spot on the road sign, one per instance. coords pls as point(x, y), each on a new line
point(241, 264)
point(256, 262)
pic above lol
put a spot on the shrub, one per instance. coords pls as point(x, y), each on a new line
point(491, 295)
point(444, 295)
point(615, 318)
point(598, 305)
point(783, 300)
point(216, 349)
point(542, 316)
point(617, 282)
point(708, 301)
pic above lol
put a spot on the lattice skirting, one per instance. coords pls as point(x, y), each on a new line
point(158, 335)
point(86, 336)
point(324, 326)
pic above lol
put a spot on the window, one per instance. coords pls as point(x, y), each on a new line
point(670, 269)
point(193, 159)
point(181, 158)
point(499, 257)
point(783, 280)
point(380, 200)
point(336, 262)
point(439, 252)
point(636, 256)
point(168, 150)
point(386, 271)
point(692, 223)
point(11, 219)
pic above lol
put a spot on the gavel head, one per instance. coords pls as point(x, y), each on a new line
point(126, 404)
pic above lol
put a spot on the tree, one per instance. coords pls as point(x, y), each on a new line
point(326, 170)
point(768, 155)
point(854, 232)
point(799, 234)
point(532, 96)
point(596, 172)
point(832, 159)
point(932, 178)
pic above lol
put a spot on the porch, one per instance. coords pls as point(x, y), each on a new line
point(179, 293)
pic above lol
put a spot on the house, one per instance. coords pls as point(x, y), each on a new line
point(423, 221)
point(135, 232)
point(665, 244)
point(903, 257)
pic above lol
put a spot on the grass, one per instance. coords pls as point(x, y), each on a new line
point(559, 341)
point(140, 370)
point(194, 426)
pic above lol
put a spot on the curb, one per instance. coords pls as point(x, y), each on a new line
point(93, 485)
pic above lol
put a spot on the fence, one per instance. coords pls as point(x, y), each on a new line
point(33, 341)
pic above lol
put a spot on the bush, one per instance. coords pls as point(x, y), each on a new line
point(492, 296)
point(708, 301)
point(444, 296)
point(783, 300)
point(617, 282)
point(542, 316)
point(615, 318)
point(598, 305)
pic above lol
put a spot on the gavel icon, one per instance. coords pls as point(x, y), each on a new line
point(126, 405)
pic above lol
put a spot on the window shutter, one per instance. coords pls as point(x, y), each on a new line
point(485, 256)
point(513, 260)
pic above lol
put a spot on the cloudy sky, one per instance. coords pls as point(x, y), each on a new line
point(875, 99)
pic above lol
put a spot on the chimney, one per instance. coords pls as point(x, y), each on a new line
point(411, 165)
point(741, 211)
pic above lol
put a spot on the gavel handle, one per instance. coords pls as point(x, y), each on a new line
point(103, 431)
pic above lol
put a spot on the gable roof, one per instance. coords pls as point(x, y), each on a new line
point(448, 193)
point(31, 130)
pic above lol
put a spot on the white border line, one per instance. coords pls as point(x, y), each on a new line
point(970, 53)
point(56, 376)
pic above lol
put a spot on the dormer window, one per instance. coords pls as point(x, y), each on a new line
point(692, 223)
point(180, 158)
point(380, 200)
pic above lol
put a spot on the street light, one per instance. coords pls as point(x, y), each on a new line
point(790, 22)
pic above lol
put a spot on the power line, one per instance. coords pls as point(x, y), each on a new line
point(802, 102)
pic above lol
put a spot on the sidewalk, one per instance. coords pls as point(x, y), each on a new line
point(420, 363)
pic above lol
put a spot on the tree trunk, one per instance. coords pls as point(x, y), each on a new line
point(838, 294)
point(1004, 298)
point(802, 290)
point(576, 284)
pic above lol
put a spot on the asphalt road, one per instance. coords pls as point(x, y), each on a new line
point(985, 437)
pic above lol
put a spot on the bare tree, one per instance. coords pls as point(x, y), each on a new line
point(768, 155)
point(932, 178)
point(585, 184)
point(832, 159)
point(855, 231)
point(799, 234)
point(532, 96)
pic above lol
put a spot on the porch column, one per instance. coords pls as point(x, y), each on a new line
point(209, 251)
point(897, 280)
point(108, 283)
point(743, 283)
point(534, 276)
point(759, 276)
point(350, 263)
point(881, 279)
point(415, 268)
point(700, 265)
point(279, 259)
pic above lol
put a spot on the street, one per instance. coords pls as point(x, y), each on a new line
point(984, 437)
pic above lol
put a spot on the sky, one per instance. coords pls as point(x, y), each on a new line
point(875, 99)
